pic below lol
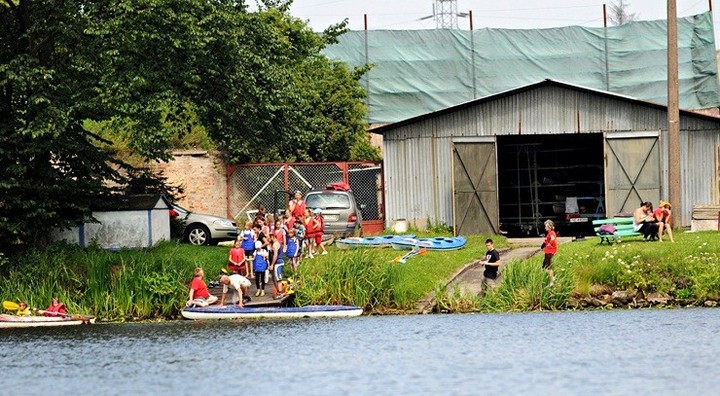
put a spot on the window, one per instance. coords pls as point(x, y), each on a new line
point(327, 201)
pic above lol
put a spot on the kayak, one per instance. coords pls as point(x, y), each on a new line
point(235, 312)
point(374, 241)
point(439, 243)
point(14, 321)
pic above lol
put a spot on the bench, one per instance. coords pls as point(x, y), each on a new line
point(623, 228)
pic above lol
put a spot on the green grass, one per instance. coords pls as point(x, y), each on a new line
point(124, 285)
point(152, 283)
point(691, 264)
point(412, 280)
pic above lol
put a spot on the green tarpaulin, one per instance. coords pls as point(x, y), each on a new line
point(419, 71)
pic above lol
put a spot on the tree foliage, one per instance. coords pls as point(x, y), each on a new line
point(150, 71)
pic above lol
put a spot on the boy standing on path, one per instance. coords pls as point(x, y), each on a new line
point(550, 247)
point(492, 264)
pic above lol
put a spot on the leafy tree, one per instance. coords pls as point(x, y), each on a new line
point(50, 169)
point(149, 71)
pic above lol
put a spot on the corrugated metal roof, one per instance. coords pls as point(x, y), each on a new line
point(545, 83)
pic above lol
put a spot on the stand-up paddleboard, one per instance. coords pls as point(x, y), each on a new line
point(235, 312)
point(14, 321)
point(374, 241)
point(439, 243)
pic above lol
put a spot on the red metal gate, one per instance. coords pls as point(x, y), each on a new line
point(251, 185)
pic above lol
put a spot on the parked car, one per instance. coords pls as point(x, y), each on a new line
point(205, 229)
point(341, 212)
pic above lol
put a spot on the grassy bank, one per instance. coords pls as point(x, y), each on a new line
point(684, 273)
point(123, 285)
point(149, 284)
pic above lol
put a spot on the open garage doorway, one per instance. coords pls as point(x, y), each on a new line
point(556, 177)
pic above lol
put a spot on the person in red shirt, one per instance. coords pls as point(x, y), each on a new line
point(199, 294)
point(56, 308)
point(236, 259)
point(297, 205)
point(550, 248)
point(662, 216)
point(319, 230)
point(309, 223)
point(289, 220)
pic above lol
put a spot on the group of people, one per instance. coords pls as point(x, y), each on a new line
point(261, 251)
point(56, 308)
point(653, 223)
point(491, 260)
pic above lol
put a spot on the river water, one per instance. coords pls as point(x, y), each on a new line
point(646, 352)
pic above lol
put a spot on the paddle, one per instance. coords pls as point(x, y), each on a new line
point(414, 252)
point(10, 306)
point(84, 318)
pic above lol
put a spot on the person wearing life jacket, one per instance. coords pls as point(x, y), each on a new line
point(23, 309)
point(308, 223)
point(56, 308)
point(297, 205)
point(319, 229)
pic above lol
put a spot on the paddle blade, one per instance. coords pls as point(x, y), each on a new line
point(10, 306)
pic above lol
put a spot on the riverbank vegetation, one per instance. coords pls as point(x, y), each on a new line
point(589, 275)
point(152, 283)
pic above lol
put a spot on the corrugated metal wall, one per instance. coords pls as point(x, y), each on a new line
point(418, 164)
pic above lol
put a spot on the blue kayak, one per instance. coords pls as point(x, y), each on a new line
point(438, 243)
point(374, 241)
point(235, 312)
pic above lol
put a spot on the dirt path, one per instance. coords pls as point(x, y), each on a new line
point(469, 277)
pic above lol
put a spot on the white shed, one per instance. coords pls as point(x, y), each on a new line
point(134, 221)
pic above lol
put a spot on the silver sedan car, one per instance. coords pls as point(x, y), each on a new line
point(205, 229)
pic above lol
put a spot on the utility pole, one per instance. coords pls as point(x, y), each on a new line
point(673, 111)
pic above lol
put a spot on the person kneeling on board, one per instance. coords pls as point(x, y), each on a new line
point(238, 286)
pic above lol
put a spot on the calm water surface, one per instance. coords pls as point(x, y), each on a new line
point(645, 352)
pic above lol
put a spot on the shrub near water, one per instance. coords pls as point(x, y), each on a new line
point(688, 270)
point(358, 277)
point(124, 285)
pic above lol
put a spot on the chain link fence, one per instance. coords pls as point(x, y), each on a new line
point(272, 185)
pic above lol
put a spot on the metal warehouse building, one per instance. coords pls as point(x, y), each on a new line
point(549, 150)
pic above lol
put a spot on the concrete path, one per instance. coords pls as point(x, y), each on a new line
point(469, 277)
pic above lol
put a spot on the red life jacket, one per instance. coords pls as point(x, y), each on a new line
point(55, 310)
point(320, 218)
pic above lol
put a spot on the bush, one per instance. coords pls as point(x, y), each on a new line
point(359, 277)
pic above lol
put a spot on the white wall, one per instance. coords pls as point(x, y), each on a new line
point(126, 229)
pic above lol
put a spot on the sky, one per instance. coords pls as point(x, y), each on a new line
point(512, 14)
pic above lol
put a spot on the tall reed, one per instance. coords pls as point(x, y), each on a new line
point(358, 277)
point(123, 285)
